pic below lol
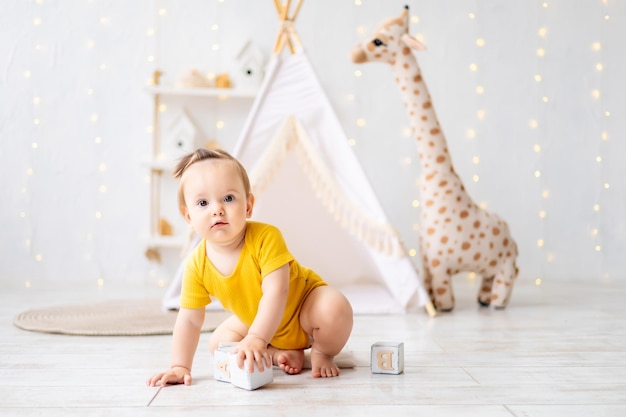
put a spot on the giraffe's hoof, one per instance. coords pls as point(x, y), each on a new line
point(483, 303)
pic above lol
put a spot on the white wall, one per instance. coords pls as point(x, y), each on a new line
point(75, 121)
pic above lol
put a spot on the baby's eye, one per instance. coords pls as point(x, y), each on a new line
point(229, 199)
point(203, 203)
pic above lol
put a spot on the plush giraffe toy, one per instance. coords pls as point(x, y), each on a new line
point(455, 234)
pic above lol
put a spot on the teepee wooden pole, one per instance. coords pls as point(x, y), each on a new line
point(297, 10)
point(285, 14)
point(287, 33)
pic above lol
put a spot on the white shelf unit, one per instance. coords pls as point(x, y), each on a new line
point(158, 166)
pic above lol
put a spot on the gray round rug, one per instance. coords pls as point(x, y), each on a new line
point(109, 318)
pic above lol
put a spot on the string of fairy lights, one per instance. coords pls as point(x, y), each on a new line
point(597, 48)
point(534, 123)
point(44, 40)
point(33, 75)
point(27, 212)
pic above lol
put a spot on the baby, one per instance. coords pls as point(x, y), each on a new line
point(279, 307)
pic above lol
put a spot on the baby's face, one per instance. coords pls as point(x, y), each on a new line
point(216, 203)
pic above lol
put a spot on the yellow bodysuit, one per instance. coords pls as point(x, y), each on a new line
point(264, 251)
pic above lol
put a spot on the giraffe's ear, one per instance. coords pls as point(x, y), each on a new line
point(412, 42)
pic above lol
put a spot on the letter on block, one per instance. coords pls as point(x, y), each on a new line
point(387, 358)
point(221, 358)
point(246, 380)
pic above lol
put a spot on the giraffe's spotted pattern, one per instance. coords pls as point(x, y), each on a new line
point(455, 234)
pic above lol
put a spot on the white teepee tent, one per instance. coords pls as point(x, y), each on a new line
point(308, 182)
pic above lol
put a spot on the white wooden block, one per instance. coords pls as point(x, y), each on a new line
point(387, 358)
point(221, 358)
point(249, 380)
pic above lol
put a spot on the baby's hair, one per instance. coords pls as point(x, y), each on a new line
point(202, 154)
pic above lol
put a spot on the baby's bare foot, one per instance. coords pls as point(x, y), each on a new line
point(290, 361)
point(322, 365)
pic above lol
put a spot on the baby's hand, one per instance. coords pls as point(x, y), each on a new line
point(176, 375)
point(253, 349)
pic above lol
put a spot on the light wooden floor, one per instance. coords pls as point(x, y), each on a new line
point(558, 350)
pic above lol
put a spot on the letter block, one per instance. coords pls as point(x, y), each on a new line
point(243, 379)
point(387, 358)
point(221, 358)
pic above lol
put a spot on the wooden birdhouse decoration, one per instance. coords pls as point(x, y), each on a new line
point(183, 136)
point(250, 67)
